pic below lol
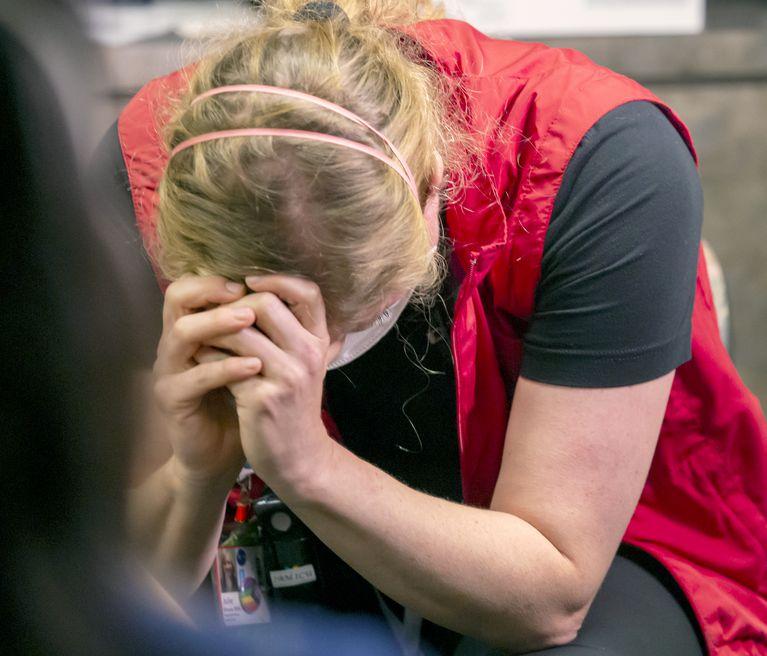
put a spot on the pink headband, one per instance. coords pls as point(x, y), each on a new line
point(400, 166)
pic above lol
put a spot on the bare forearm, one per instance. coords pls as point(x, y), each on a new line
point(174, 526)
point(479, 572)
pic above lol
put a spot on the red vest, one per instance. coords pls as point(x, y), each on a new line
point(703, 510)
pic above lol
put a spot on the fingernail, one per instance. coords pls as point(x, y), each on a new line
point(252, 363)
point(242, 314)
point(234, 287)
point(252, 279)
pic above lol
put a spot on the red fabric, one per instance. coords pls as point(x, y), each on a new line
point(703, 510)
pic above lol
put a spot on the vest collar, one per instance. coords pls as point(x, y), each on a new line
point(477, 223)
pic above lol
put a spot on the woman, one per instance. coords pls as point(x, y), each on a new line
point(569, 234)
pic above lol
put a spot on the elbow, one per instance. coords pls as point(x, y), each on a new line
point(553, 632)
point(553, 621)
point(565, 624)
point(566, 628)
point(565, 631)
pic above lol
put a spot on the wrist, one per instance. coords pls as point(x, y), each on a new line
point(193, 485)
point(309, 480)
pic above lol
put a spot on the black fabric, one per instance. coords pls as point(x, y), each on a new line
point(637, 611)
point(395, 408)
point(395, 405)
point(614, 302)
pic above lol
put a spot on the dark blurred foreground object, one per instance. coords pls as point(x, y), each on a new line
point(66, 346)
point(71, 328)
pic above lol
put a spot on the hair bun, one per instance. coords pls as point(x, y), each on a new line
point(320, 11)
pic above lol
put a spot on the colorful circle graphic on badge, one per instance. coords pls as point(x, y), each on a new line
point(250, 595)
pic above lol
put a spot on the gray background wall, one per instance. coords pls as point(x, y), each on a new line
point(716, 81)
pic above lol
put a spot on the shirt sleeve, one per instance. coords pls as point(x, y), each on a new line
point(614, 303)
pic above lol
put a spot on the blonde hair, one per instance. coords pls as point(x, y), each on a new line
point(241, 206)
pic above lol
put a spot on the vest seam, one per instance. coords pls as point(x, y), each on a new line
point(138, 208)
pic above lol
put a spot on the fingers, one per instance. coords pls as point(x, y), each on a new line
point(302, 296)
point(284, 309)
point(191, 330)
point(252, 343)
point(276, 321)
point(208, 354)
point(188, 387)
point(193, 293)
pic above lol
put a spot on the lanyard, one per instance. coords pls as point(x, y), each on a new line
point(407, 632)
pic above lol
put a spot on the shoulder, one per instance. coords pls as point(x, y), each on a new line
point(635, 146)
point(139, 131)
point(141, 121)
point(464, 49)
point(160, 91)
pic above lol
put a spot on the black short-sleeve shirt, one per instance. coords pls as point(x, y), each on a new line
point(614, 302)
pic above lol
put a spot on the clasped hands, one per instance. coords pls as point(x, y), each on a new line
point(268, 345)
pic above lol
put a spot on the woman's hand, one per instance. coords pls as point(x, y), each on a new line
point(279, 409)
point(199, 418)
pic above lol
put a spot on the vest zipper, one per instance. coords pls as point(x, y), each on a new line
point(472, 264)
point(466, 284)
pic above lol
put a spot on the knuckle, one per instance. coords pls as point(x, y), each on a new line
point(293, 376)
point(269, 302)
point(161, 389)
point(181, 330)
point(313, 358)
point(268, 397)
point(315, 293)
point(288, 376)
point(173, 294)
